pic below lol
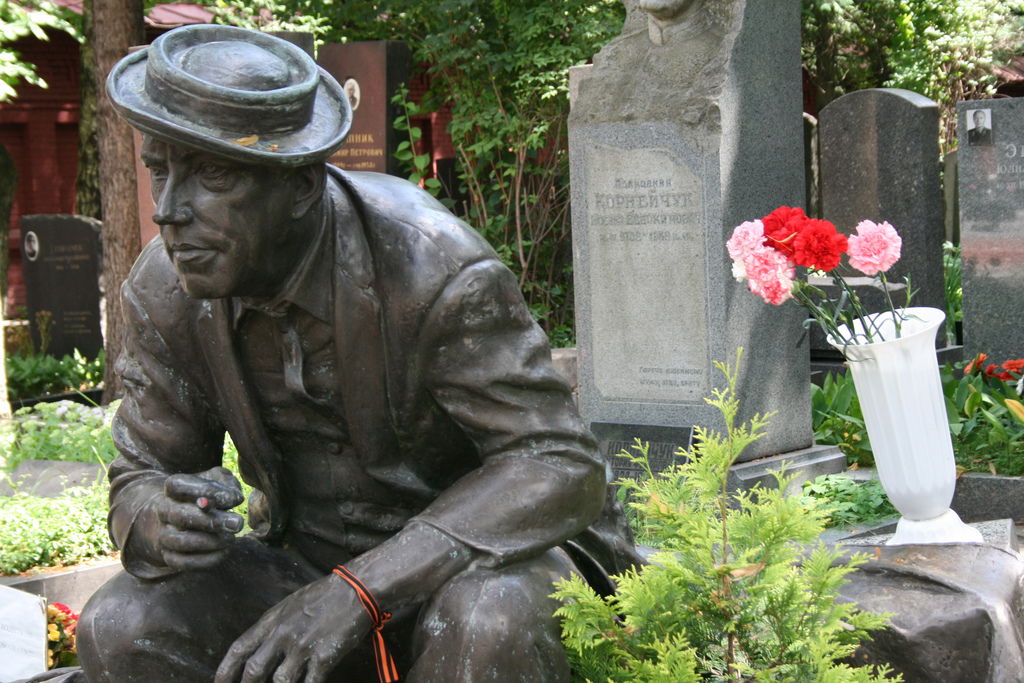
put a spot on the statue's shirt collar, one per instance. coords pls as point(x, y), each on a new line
point(308, 287)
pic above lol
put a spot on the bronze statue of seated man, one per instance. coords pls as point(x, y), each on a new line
point(421, 475)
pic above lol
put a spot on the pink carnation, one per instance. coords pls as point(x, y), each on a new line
point(874, 248)
point(746, 238)
point(771, 275)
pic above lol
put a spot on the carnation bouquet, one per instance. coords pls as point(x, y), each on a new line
point(766, 253)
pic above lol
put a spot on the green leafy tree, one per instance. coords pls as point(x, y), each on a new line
point(270, 15)
point(943, 49)
point(19, 20)
point(735, 593)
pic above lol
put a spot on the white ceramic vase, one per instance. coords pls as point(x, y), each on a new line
point(900, 392)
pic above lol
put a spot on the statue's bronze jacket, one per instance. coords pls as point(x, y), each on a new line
point(446, 382)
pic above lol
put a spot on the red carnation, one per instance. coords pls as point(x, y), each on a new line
point(818, 245)
point(781, 227)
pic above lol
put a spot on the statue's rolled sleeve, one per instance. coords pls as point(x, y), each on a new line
point(162, 427)
point(488, 366)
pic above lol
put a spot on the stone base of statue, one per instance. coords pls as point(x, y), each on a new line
point(957, 611)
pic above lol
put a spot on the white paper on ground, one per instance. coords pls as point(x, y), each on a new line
point(22, 634)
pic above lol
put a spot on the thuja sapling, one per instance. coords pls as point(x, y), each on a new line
point(738, 590)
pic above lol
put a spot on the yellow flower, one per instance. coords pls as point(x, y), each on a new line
point(52, 632)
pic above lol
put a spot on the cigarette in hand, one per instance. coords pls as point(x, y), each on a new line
point(203, 503)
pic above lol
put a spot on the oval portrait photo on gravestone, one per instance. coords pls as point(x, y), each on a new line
point(31, 246)
point(351, 89)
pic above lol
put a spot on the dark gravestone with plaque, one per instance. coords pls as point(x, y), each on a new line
point(880, 161)
point(663, 443)
point(371, 73)
point(61, 259)
point(991, 165)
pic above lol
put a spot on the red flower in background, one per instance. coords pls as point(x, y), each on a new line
point(1010, 370)
point(975, 363)
point(818, 245)
point(990, 372)
point(781, 227)
point(1015, 366)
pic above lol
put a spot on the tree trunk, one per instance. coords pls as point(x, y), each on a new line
point(8, 180)
point(117, 26)
point(87, 182)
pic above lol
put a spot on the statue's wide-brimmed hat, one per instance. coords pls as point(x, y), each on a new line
point(233, 92)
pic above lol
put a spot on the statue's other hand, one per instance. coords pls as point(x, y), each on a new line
point(195, 525)
point(299, 640)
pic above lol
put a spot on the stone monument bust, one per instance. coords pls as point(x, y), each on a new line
point(420, 473)
point(669, 52)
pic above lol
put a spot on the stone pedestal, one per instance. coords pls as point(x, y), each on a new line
point(956, 608)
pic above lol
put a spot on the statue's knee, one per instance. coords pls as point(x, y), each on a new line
point(504, 618)
point(501, 605)
point(110, 622)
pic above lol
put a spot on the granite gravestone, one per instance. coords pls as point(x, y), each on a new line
point(61, 260)
point(371, 73)
point(991, 175)
point(686, 125)
point(880, 161)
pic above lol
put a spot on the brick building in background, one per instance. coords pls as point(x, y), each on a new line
point(40, 127)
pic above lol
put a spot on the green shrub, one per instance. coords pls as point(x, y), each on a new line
point(32, 375)
point(732, 594)
point(62, 430)
point(53, 532)
point(849, 501)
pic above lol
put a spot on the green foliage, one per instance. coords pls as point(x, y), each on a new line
point(952, 268)
point(732, 594)
point(52, 532)
point(943, 49)
point(418, 165)
point(230, 462)
point(19, 20)
point(32, 375)
point(62, 430)
point(271, 16)
point(848, 501)
point(986, 420)
point(837, 419)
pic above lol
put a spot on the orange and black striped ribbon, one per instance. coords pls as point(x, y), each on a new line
point(386, 670)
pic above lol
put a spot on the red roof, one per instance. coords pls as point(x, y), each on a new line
point(168, 15)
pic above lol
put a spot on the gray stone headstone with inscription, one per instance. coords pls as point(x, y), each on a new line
point(61, 259)
point(880, 161)
point(991, 180)
point(686, 125)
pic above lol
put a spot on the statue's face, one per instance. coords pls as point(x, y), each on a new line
point(666, 9)
point(224, 225)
